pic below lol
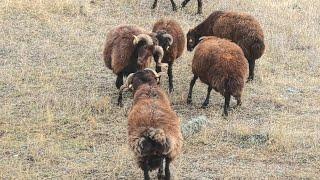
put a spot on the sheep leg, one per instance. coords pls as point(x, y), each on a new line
point(170, 77)
point(154, 4)
point(146, 170)
point(193, 81)
point(239, 102)
point(120, 99)
point(174, 6)
point(167, 169)
point(184, 3)
point(199, 6)
point(119, 81)
point(226, 103)
point(251, 69)
point(206, 101)
point(158, 69)
point(160, 172)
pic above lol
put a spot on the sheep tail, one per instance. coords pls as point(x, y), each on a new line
point(153, 141)
point(257, 49)
point(233, 85)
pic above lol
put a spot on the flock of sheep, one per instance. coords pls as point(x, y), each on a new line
point(227, 44)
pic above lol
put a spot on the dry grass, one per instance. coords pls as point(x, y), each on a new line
point(58, 117)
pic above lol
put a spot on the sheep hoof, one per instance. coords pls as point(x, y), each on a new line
point(189, 100)
point(161, 176)
point(174, 8)
point(199, 12)
point(225, 114)
point(250, 79)
point(120, 104)
point(204, 106)
point(171, 90)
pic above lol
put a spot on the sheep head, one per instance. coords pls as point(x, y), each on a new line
point(192, 39)
point(165, 40)
point(146, 76)
point(146, 48)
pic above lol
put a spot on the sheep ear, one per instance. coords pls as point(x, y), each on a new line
point(135, 40)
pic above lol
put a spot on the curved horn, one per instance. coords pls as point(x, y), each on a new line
point(135, 40)
point(142, 37)
point(158, 54)
point(127, 84)
point(153, 71)
point(204, 37)
point(168, 36)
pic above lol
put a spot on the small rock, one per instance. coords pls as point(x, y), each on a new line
point(194, 126)
point(293, 90)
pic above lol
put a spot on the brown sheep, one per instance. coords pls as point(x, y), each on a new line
point(129, 49)
point(240, 28)
point(171, 38)
point(221, 65)
point(153, 127)
point(184, 3)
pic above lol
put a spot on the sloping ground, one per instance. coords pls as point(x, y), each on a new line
point(58, 117)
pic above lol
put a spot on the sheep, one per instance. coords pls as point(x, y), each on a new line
point(221, 65)
point(240, 28)
point(154, 133)
point(129, 48)
point(171, 38)
point(184, 3)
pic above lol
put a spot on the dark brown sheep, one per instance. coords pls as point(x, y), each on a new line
point(221, 65)
point(240, 28)
point(153, 127)
point(129, 49)
point(184, 3)
point(172, 40)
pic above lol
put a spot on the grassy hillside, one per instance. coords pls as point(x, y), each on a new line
point(58, 113)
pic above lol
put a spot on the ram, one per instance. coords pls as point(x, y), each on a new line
point(221, 65)
point(171, 38)
point(153, 127)
point(240, 28)
point(129, 49)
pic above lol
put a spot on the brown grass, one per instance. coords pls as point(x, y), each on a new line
point(58, 113)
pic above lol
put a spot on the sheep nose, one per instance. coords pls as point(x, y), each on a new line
point(140, 61)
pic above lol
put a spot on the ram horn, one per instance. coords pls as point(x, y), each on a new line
point(158, 75)
point(142, 37)
point(158, 55)
point(127, 85)
point(168, 36)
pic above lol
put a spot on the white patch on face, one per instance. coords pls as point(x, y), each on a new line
point(190, 41)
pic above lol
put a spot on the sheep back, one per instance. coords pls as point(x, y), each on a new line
point(151, 109)
point(173, 28)
point(221, 64)
point(242, 29)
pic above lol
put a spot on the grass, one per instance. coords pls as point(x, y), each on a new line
point(58, 113)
